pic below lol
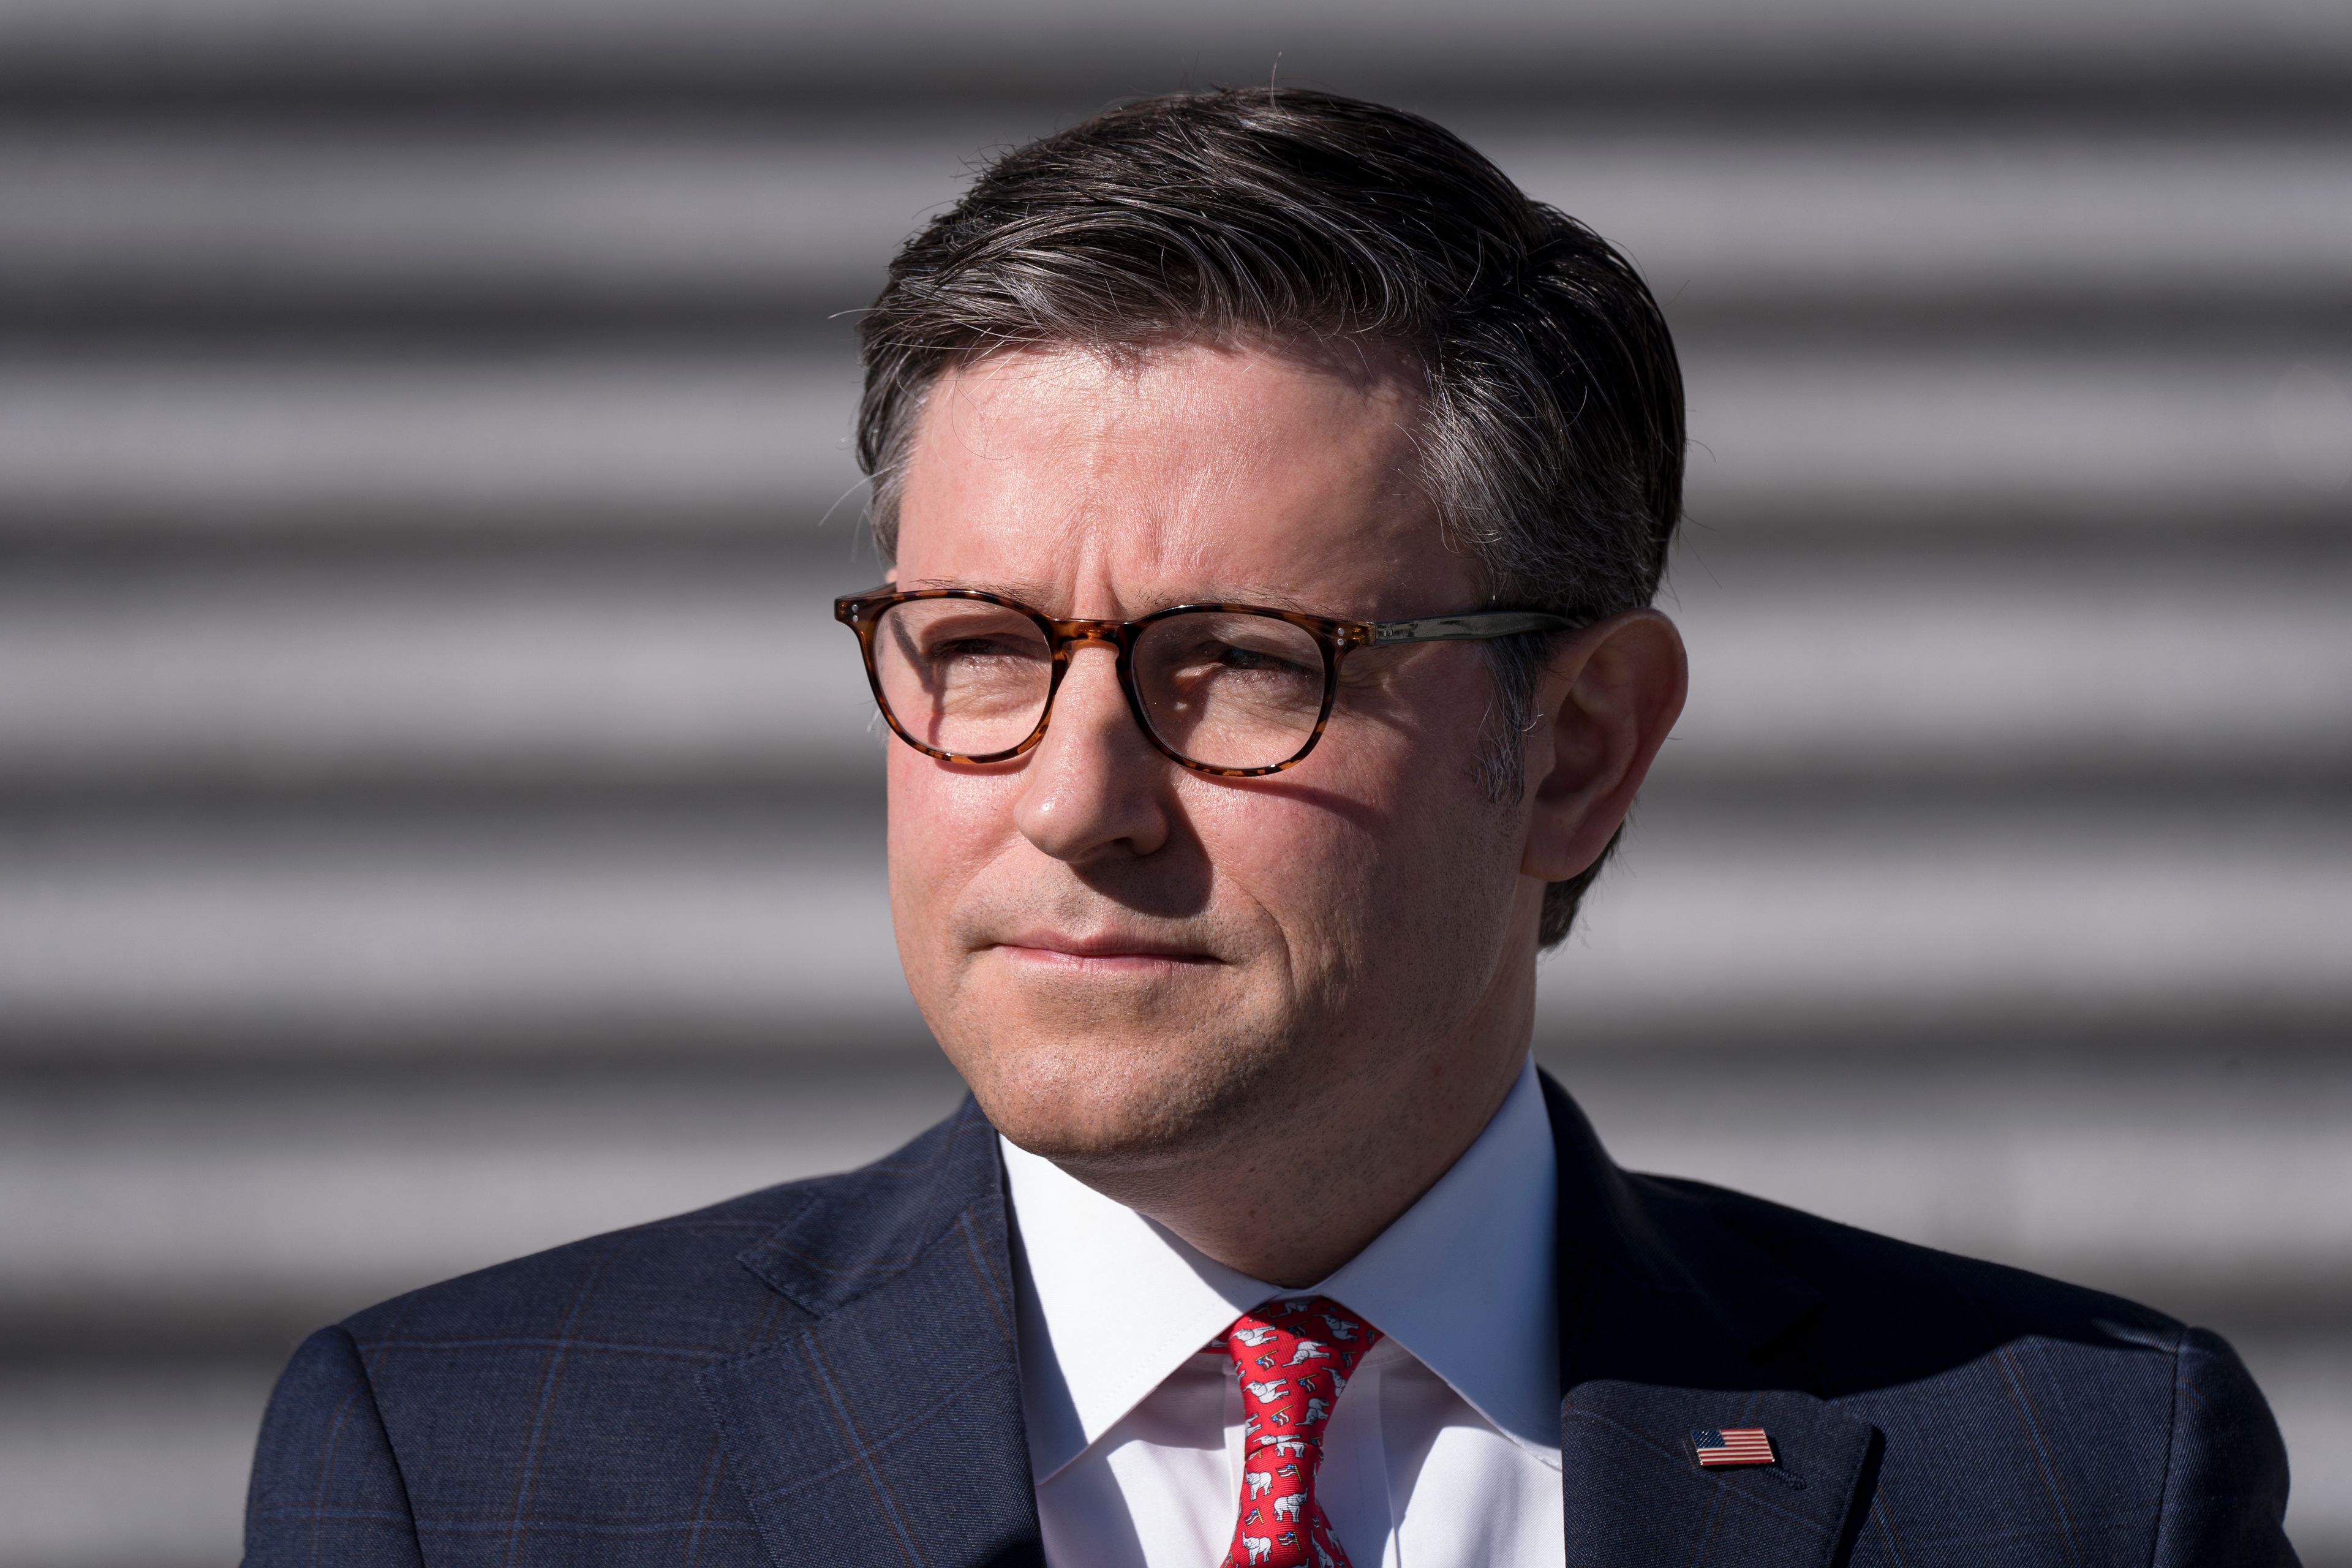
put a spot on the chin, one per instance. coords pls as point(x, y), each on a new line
point(1099, 1091)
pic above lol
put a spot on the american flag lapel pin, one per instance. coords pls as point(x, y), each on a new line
point(1732, 1445)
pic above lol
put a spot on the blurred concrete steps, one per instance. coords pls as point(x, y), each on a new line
point(433, 793)
point(1626, 54)
point(588, 664)
point(759, 210)
point(675, 433)
point(455, 932)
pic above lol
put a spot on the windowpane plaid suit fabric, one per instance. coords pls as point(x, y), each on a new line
point(825, 1373)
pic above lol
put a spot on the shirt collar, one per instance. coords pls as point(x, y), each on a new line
point(1464, 1280)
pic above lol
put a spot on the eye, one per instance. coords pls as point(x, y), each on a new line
point(1270, 648)
point(1234, 656)
point(974, 647)
point(958, 635)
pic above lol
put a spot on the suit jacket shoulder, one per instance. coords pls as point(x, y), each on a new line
point(1985, 1414)
point(561, 1407)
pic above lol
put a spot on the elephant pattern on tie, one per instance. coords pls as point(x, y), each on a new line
point(1282, 1429)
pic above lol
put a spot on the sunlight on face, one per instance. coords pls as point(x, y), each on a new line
point(1124, 958)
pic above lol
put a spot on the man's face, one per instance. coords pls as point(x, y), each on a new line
point(1128, 960)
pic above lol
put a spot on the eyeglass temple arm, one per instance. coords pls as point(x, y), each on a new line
point(1472, 627)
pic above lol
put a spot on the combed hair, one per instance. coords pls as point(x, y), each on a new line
point(1551, 442)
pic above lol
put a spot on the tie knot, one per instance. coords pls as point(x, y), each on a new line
point(1295, 1355)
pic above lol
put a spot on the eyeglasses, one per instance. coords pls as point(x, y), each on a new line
point(1237, 690)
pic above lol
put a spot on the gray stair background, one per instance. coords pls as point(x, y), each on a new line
point(438, 819)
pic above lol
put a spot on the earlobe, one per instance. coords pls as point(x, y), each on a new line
point(1609, 700)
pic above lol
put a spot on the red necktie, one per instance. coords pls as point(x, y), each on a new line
point(1294, 1355)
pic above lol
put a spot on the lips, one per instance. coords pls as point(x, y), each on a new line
point(1107, 949)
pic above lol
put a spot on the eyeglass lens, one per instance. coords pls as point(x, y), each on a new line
point(1224, 689)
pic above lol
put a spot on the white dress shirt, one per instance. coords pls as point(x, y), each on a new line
point(1443, 1452)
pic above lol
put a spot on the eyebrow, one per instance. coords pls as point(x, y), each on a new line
point(1041, 595)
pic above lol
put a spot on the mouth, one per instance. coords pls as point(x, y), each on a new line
point(1106, 953)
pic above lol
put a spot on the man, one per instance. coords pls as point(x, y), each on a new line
point(1275, 498)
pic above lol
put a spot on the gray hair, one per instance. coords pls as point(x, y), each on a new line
point(1552, 439)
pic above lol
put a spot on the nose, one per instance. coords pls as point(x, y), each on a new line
point(1094, 785)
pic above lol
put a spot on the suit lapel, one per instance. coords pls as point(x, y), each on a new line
point(1636, 1492)
point(885, 1427)
point(1667, 1318)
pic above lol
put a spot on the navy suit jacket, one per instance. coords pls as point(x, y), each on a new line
point(824, 1373)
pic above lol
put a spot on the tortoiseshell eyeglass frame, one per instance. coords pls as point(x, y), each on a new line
point(863, 612)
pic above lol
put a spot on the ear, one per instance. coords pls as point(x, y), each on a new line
point(1607, 700)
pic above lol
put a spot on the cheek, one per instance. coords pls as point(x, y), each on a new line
point(943, 828)
point(1339, 857)
point(1402, 856)
point(1304, 855)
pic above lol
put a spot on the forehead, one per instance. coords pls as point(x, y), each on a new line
point(1179, 472)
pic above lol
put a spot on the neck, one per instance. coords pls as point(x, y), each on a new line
point(1266, 1198)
